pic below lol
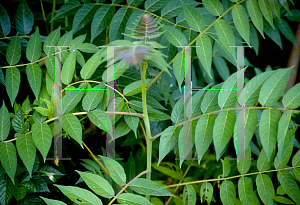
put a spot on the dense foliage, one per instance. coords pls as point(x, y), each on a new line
point(169, 155)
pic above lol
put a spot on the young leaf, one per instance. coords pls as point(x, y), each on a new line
point(34, 76)
point(186, 139)
point(135, 87)
point(98, 184)
point(245, 190)
point(286, 30)
point(223, 130)
point(193, 18)
point(204, 52)
point(34, 47)
point(52, 201)
point(12, 79)
point(4, 122)
point(273, 87)
point(24, 18)
point(291, 99)
point(72, 126)
point(8, 158)
point(227, 192)
point(148, 187)
point(77, 194)
point(289, 184)
point(168, 139)
point(68, 9)
point(51, 40)
point(265, 188)
point(154, 5)
point(5, 24)
point(132, 199)
point(91, 65)
point(204, 134)
point(68, 68)
point(214, 7)
point(71, 99)
point(115, 169)
point(227, 94)
point(268, 130)
point(119, 21)
point(240, 19)
point(42, 137)
point(27, 150)
point(256, 15)
point(206, 192)
point(189, 195)
point(174, 36)
point(266, 11)
point(179, 68)
point(13, 52)
point(83, 16)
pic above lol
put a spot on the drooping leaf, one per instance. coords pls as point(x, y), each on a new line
point(291, 99)
point(174, 36)
point(227, 192)
point(241, 22)
point(24, 18)
point(68, 9)
point(189, 195)
point(133, 199)
point(289, 184)
point(245, 190)
point(83, 16)
point(98, 184)
point(266, 11)
point(193, 18)
point(214, 7)
point(51, 40)
point(273, 87)
point(42, 137)
point(77, 194)
point(72, 126)
point(12, 81)
point(265, 188)
point(72, 98)
point(8, 158)
point(5, 24)
point(116, 170)
point(204, 52)
point(13, 52)
point(223, 130)
point(27, 150)
point(68, 68)
point(148, 187)
point(4, 122)
point(34, 76)
point(256, 15)
point(186, 139)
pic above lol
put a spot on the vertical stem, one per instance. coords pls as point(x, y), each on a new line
point(53, 10)
point(66, 18)
point(143, 69)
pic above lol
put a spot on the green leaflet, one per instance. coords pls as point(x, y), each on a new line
point(214, 7)
point(268, 130)
point(262, 163)
point(206, 192)
point(173, 8)
point(285, 4)
point(223, 130)
point(76, 194)
point(283, 137)
point(273, 87)
point(154, 5)
point(115, 105)
point(168, 139)
point(88, 48)
point(256, 15)
point(72, 98)
point(210, 100)
point(4, 122)
point(34, 47)
point(221, 66)
point(226, 36)
point(227, 94)
point(148, 187)
point(252, 89)
point(273, 34)
point(130, 168)
point(24, 18)
point(51, 201)
point(98, 117)
point(121, 129)
point(42, 137)
point(12, 81)
point(291, 99)
point(13, 52)
point(51, 40)
point(189, 195)
point(244, 165)
point(119, 21)
point(26, 106)
point(98, 184)
point(265, 188)
point(69, 68)
point(195, 102)
point(289, 184)
point(274, 4)
point(134, 2)
point(254, 39)
point(296, 162)
point(240, 19)
point(179, 68)
point(133, 199)
point(65, 39)
point(227, 192)
point(92, 99)
point(245, 190)
point(83, 16)
point(91, 65)
point(50, 64)
point(286, 30)
point(283, 200)
point(193, 18)
point(174, 36)
point(266, 11)
point(204, 134)
point(27, 151)
point(34, 76)
point(68, 9)
point(131, 121)
point(115, 169)
point(2, 77)
point(204, 52)
point(72, 126)
point(5, 24)
point(249, 127)
point(225, 166)
point(135, 87)
point(169, 172)
point(186, 139)
point(178, 112)
point(8, 158)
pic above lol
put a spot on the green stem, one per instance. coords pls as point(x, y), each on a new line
point(143, 69)
point(53, 10)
